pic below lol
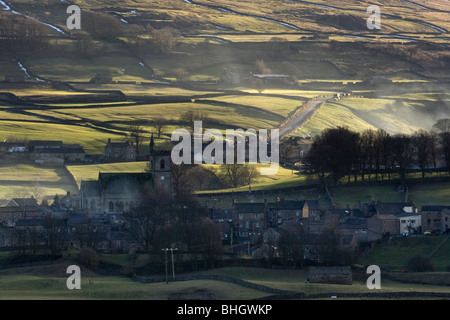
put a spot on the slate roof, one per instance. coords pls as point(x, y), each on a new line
point(354, 223)
point(250, 207)
point(23, 202)
point(288, 205)
point(123, 183)
point(391, 208)
point(44, 143)
point(313, 204)
point(434, 208)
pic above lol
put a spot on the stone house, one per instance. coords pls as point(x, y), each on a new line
point(74, 153)
point(50, 144)
point(410, 223)
point(295, 149)
point(250, 218)
point(389, 224)
point(12, 147)
point(435, 219)
point(69, 201)
point(285, 211)
point(311, 209)
point(120, 151)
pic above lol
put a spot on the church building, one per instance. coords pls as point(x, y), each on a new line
point(116, 193)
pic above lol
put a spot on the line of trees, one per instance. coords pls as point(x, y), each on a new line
point(344, 152)
point(160, 222)
point(18, 33)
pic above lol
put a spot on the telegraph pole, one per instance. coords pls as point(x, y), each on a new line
point(173, 264)
point(167, 277)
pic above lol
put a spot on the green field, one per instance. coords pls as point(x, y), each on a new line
point(394, 254)
point(35, 283)
point(26, 180)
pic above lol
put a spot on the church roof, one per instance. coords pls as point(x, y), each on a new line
point(123, 183)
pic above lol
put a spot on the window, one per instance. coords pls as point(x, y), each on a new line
point(403, 221)
point(111, 206)
point(413, 221)
point(92, 204)
point(256, 216)
point(241, 216)
point(162, 164)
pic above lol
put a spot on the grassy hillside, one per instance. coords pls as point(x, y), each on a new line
point(26, 180)
point(394, 254)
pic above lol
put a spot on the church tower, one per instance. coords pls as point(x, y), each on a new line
point(160, 167)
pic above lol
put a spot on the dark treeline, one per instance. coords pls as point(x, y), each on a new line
point(19, 33)
point(343, 152)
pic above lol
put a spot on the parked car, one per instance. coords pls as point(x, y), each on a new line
point(427, 233)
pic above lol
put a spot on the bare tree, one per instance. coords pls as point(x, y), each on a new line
point(159, 124)
point(290, 247)
point(442, 125)
point(165, 40)
point(135, 130)
point(422, 142)
point(54, 233)
point(262, 67)
point(146, 222)
point(236, 175)
point(191, 116)
point(260, 85)
point(181, 74)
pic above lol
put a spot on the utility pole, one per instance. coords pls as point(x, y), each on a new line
point(173, 265)
point(167, 277)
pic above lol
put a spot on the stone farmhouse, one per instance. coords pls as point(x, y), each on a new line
point(435, 219)
point(119, 151)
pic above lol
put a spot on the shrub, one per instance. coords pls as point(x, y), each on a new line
point(89, 258)
point(420, 263)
